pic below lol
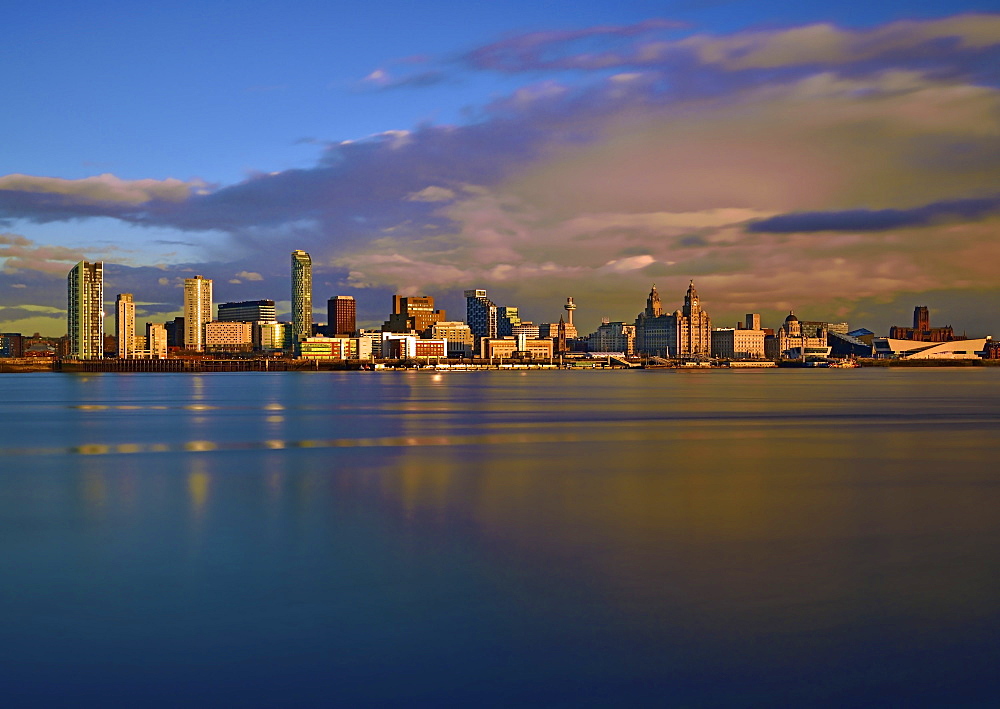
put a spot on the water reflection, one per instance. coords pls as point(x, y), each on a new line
point(715, 539)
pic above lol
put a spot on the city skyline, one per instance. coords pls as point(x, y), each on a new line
point(836, 160)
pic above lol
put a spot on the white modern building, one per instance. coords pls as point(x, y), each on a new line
point(886, 348)
point(197, 311)
point(85, 310)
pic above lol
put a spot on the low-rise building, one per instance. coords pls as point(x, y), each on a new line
point(890, 348)
point(459, 335)
point(516, 347)
point(395, 346)
point(223, 336)
point(737, 343)
point(328, 348)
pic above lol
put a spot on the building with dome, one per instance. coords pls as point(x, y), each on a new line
point(793, 341)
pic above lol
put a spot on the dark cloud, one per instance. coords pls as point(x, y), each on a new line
point(878, 219)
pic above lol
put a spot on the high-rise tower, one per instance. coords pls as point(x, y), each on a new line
point(302, 316)
point(197, 311)
point(341, 315)
point(85, 311)
point(125, 324)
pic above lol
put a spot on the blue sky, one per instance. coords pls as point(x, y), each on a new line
point(842, 160)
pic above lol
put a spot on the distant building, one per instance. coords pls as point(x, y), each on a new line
point(526, 328)
point(341, 315)
point(399, 346)
point(481, 314)
point(413, 314)
point(328, 348)
point(223, 336)
point(889, 348)
point(516, 348)
point(302, 317)
point(11, 344)
point(460, 339)
point(746, 341)
point(507, 319)
point(125, 324)
point(791, 342)
point(271, 337)
point(248, 311)
point(613, 337)
point(197, 311)
point(85, 311)
point(156, 340)
point(655, 331)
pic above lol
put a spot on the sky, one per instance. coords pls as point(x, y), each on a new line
point(841, 160)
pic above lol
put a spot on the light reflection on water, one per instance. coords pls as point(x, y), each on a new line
point(705, 538)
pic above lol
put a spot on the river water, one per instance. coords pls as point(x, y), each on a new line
point(542, 538)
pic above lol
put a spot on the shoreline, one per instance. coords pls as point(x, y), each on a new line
point(195, 366)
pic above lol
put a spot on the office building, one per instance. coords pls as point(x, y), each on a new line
point(460, 339)
point(302, 318)
point(413, 314)
point(481, 313)
point(125, 324)
point(271, 337)
point(613, 337)
point(507, 319)
point(341, 315)
point(228, 336)
point(85, 311)
point(197, 311)
point(516, 348)
point(248, 311)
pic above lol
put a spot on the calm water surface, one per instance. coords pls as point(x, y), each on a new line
point(659, 538)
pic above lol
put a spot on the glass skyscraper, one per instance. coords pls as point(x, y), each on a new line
point(302, 317)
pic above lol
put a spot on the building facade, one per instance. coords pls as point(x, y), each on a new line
point(156, 340)
point(481, 313)
point(125, 324)
point(460, 339)
point(302, 318)
point(221, 336)
point(341, 317)
point(613, 337)
point(85, 311)
point(516, 348)
point(197, 311)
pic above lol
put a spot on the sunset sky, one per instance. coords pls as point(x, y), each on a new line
point(838, 159)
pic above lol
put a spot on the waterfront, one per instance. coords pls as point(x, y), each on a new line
point(697, 538)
